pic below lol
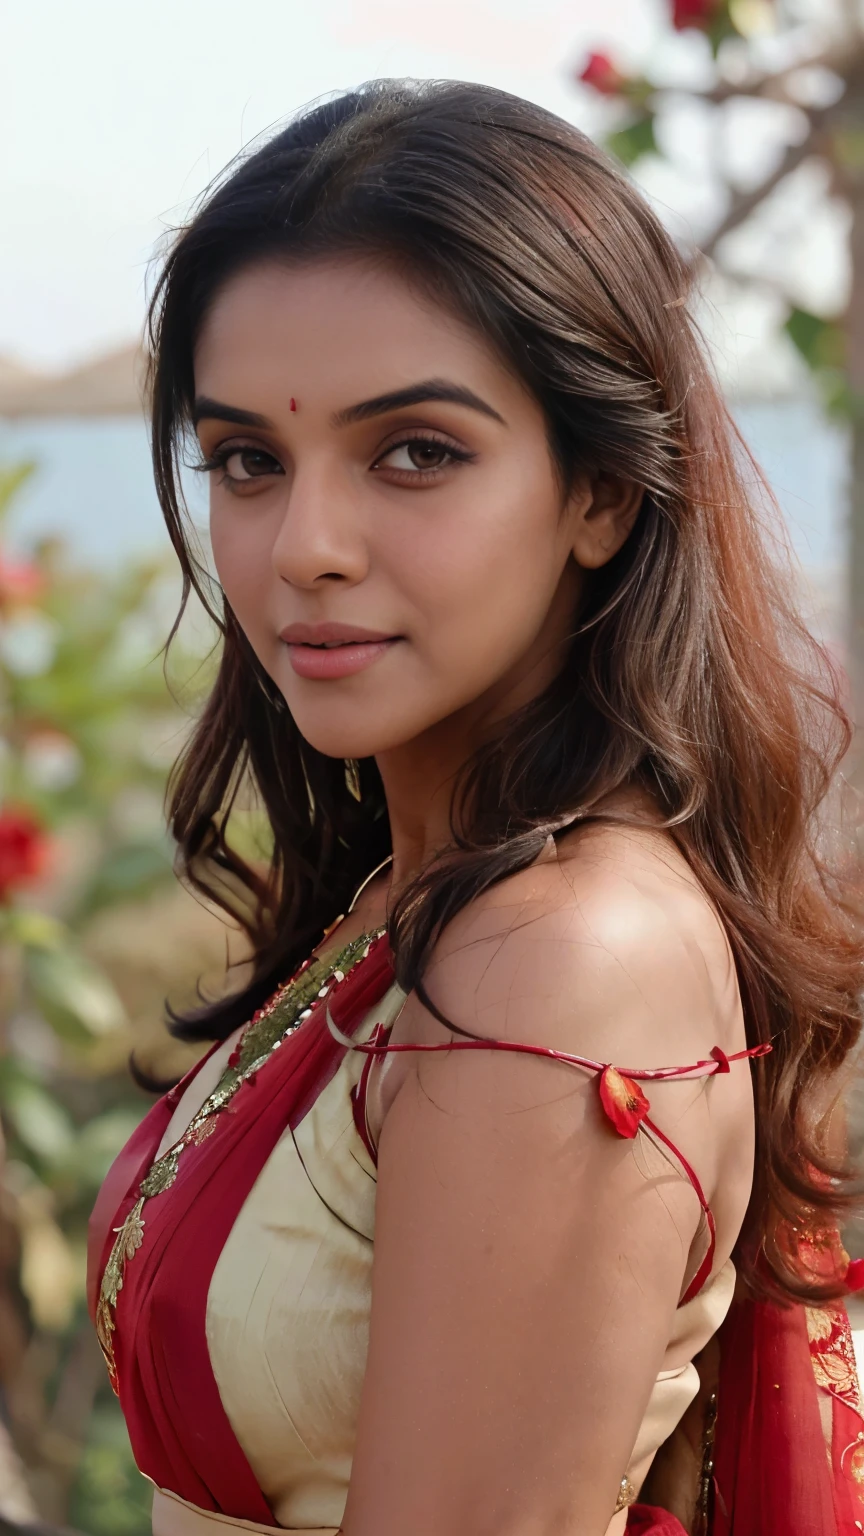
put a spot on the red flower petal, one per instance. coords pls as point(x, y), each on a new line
point(694, 13)
point(23, 849)
point(623, 1102)
point(600, 72)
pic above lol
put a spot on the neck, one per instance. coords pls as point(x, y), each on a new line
point(419, 776)
point(418, 781)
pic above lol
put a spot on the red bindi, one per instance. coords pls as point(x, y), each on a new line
point(293, 405)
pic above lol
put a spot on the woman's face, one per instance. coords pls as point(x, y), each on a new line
point(386, 520)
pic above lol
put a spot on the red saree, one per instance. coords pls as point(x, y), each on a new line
point(789, 1450)
point(775, 1474)
point(180, 1434)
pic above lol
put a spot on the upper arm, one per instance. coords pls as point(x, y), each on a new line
point(528, 1262)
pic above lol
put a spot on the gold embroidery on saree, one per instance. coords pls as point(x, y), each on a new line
point(833, 1355)
point(283, 1013)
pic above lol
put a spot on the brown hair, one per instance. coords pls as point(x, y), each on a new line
point(689, 672)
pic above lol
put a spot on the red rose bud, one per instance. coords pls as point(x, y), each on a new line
point(602, 75)
point(623, 1102)
point(694, 13)
point(23, 849)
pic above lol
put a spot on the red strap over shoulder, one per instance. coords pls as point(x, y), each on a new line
point(624, 1104)
point(717, 1062)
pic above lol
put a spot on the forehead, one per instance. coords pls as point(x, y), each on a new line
point(341, 329)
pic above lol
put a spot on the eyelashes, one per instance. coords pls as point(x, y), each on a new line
point(424, 442)
point(221, 458)
point(255, 463)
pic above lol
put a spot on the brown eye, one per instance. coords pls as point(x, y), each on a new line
point(426, 455)
point(250, 464)
point(419, 455)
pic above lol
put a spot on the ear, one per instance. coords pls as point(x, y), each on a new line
point(603, 512)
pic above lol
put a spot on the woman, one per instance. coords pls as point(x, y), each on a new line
point(502, 649)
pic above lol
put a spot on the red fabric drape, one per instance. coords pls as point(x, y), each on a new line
point(846, 1461)
point(790, 1433)
point(125, 1174)
point(644, 1520)
point(180, 1434)
point(772, 1476)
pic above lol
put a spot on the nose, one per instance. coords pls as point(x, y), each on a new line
point(320, 538)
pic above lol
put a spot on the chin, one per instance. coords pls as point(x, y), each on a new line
point(356, 738)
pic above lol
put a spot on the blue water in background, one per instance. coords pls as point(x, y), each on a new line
point(93, 484)
point(92, 487)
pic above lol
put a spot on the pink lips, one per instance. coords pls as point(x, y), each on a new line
point(349, 648)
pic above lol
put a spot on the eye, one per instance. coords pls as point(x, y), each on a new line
point(420, 458)
point(242, 464)
point(418, 454)
point(239, 465)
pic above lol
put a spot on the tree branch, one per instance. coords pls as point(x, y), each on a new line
point(745, 203)
point(845, 61)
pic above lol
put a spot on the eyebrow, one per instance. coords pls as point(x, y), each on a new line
point(442, 390)
point(206, 409)
point(416, 394)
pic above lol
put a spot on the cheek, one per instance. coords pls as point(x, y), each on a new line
point(482, 574)
point(241, 554)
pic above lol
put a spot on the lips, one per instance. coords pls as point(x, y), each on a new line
point(325, 651)
point(331, 634)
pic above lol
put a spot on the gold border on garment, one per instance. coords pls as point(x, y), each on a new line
point(291, 1004)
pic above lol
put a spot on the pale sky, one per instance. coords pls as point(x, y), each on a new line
point(115, 114)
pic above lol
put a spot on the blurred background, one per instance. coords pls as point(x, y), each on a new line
point(742, 120)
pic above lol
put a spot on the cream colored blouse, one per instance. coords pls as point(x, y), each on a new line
point(288, 1316)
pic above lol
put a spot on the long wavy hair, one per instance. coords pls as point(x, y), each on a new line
point(689, 673)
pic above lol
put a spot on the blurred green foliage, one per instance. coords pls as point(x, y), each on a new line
point(823, 345)
point(88, 727)
point(110, 1497)
point(635, 139)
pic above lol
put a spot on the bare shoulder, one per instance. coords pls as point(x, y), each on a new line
point(607, 946)
point(571, 1246)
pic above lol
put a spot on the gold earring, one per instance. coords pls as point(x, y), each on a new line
point(310, 798)
point(352, 778)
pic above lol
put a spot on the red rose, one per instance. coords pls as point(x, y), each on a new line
point(694, 13)
point(22, 849)
point(604, 76)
